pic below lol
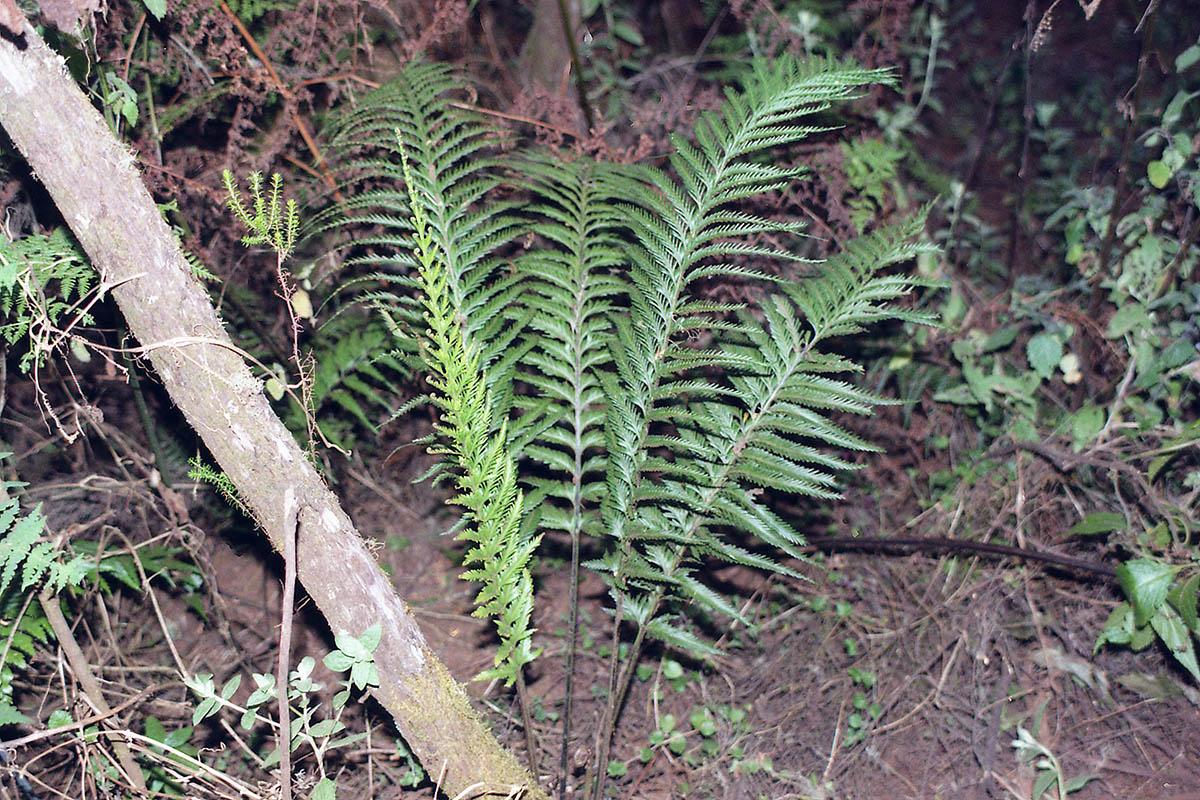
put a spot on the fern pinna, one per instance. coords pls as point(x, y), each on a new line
point(645, 417)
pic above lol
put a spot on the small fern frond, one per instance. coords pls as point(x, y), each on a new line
point(225, 487)
point(22, 552)
point(269, 223)
point(19, 546)
point(43, 280)
point(356, 368)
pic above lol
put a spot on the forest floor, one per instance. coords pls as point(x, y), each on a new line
point(884, 674)
point(956, 652)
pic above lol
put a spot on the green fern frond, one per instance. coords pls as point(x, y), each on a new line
point(268, 221)
point(452, 179)
point(43, 278)
point(19, 543)
point(22, 552)
point(444, 146)
point(573, 291)
point(765, 427)
point(357, 369)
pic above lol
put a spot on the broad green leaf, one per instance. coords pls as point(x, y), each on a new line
point(123, 569)
point(338, 661)
point(352, 647)
point(247, 721)
point(156, 7)
point(9, 715)
point(304, 668)
point(1145, 582)
point(230, 687)
point(1045, 779)
point(264, 691)
point(364, 674)
point(1098, 522)
point(179, 737)
point(59, 718)
point(326, 727)
point(155, 730)
point(626, 32)
point(206, 708)
point(1077, 783)
point(371, 636)
point(1141, 638)
point(1187, 58)
point(325, 789)
point(1044, 352)
point(1183, 598)
point(960, 395)
point(1175, 635)
point(1086, 425)
point(1129, 317)
point(1024, 430)
point(1000, 339)
point(1158, 173)
point(1174, 110)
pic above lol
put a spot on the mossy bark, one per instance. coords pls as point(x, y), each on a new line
point(93, 180)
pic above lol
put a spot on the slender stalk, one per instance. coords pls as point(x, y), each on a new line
point(87, 681)
point(1018, 211)
point(531, 744)
point(288, 602)
point(617, 689)
point(576, 526)
point(1139, 86)
point(580, 85)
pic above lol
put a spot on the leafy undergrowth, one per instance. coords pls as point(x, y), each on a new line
point(914, 673)
point(1054, 414)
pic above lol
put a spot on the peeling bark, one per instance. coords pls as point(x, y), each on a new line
point(94, 181)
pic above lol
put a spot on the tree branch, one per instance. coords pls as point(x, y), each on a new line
point(93, 180)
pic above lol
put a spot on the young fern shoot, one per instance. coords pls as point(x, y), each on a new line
point(498, 553)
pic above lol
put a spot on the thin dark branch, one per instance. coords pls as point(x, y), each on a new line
point(1139, 86)
point(939, 545)
point(580, 86)
point(1018, 212)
